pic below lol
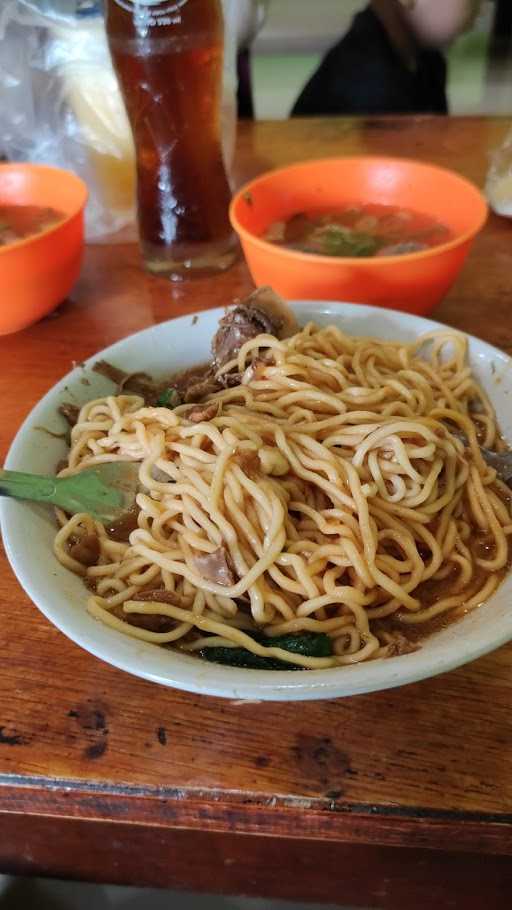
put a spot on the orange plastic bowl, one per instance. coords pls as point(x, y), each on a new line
point(415, 282)
point(38, 272)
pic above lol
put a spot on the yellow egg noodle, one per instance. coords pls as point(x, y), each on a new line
point(334, 490)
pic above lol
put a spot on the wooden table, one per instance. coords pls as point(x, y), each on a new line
point(399, 799)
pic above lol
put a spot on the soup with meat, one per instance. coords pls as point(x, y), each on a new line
point(20, 221)
point(359, 230)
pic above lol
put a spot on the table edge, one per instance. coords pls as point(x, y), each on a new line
point(253, 813)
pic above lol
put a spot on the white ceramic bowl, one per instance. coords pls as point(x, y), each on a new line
point(28, 530)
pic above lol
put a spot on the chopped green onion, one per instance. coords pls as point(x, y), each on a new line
point(168, 399)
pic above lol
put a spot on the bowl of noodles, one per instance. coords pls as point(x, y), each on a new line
point(317, 515)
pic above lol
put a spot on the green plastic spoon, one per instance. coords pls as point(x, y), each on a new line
point(105, 491)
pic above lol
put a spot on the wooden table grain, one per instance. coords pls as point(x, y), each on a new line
point(395, 799)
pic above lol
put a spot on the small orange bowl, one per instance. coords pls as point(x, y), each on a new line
point(38, 272)
point(415, 282)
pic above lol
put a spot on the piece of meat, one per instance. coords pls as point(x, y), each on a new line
point(250, 464)
point(85, 550)
point(104, 368)
point(199, 390)
point(137, 384)
point(151, 622)
point(216, 567)
point(133, 383)
point(229, 380)
point(160, 476)
point(239, 325)
point(234, 378)
point(401, 645)
point(276, 309)
point(203, 412)
point(210, 384)
point(70, 412)
point(121, 528)
point(396, 642)
point(255, 371)
point(263, 312)
point(184, 379)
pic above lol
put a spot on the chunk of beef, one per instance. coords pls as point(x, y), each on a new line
point(150, 622)
point(239, 325)
point(136, 383)
point(263, 312)
point(70, 412)
point(85, 550)
point(200, 389)
point(215, 567)
point(199, 413)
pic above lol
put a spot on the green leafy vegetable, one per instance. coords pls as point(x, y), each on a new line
point(309, 644)
point(339, 241)
point(239, 657)
point(169, 398)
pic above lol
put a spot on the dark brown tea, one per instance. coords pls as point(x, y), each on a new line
point(168, 57)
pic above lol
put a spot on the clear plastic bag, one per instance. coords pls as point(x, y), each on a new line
point(61, 104)
point(498, 187)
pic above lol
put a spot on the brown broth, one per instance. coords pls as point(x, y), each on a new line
point(20, 221)
point(431, 592)
point(360, 230)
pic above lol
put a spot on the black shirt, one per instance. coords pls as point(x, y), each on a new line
point(364, 74)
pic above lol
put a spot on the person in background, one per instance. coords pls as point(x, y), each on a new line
point(390, 60)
